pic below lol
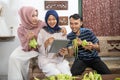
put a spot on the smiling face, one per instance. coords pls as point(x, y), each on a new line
point(51, 21)
point(35, 17)
point(75, 25)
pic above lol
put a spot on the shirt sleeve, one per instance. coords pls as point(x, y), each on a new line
point(41, 43)
point(93, 37)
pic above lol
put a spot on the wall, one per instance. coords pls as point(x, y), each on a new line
point(6, 49)
point(102, 16)
point(12, 19)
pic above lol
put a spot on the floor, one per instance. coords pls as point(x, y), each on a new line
point(3, 77)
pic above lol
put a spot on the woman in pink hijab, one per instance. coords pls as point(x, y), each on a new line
point(27, 32)
point(29, 27)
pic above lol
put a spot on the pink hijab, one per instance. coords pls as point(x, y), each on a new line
point(26, 26)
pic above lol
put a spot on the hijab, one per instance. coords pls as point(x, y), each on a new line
point(48, 28)
point(26, 17)
point(25, 14)
point(26, 25)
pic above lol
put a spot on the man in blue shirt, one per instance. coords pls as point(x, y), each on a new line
point(87, 56)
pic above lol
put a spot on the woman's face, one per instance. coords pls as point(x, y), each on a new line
point(52, 21)
point(35, 17)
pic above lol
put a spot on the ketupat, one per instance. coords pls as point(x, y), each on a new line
point(84, 43)
point(33, 43)
point(97, 76)
point(86, 77)
point(117, 78)
point(75, 46)
point(36, 78)
point(92, 76)
point(63, 77)
point(51, 78)
point(60, 77)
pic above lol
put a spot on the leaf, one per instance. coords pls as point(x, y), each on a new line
point(36, 78)
point(91, 76)
point(33, 43)
point(84, 43)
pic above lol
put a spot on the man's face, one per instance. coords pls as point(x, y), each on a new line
point(75, 25)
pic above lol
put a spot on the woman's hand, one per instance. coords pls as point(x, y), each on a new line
point(64, 31)
point(63, 51)
point(30, 35)
point(49, 41)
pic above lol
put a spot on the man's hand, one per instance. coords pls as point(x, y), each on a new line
point(70, 51)
point(79, 41)
point(89, 46)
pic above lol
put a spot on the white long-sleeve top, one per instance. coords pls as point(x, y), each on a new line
point(45, 57)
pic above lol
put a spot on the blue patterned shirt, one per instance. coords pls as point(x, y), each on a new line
point(88, 35)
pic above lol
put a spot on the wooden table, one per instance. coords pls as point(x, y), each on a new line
point(110, 76)
point(105, 77)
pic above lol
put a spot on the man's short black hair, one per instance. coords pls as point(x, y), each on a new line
point(76, 16)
